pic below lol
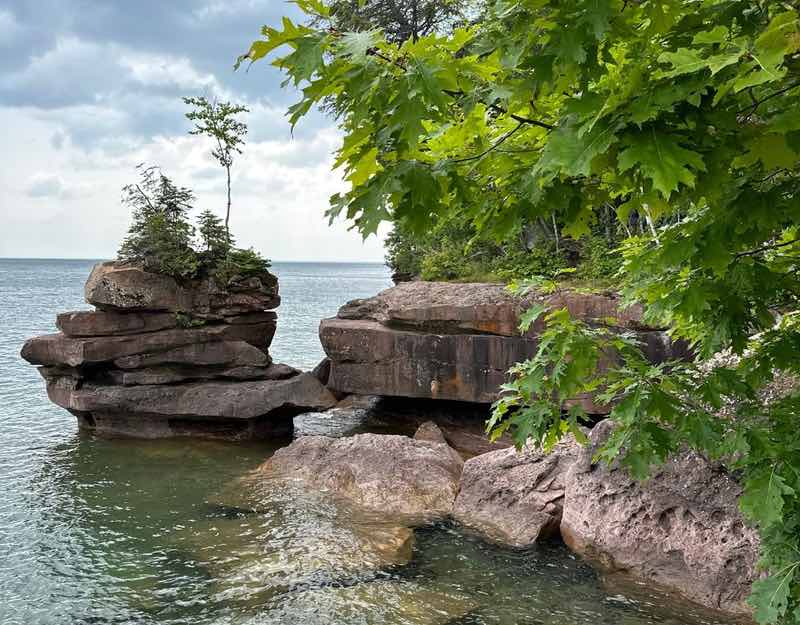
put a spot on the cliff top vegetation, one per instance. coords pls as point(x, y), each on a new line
point(678, 115)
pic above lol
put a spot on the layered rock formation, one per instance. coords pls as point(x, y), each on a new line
point(455, 341)
point(158, 358)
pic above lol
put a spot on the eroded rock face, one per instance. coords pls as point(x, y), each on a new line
point(457, 341)
point(416, 480)
point(118, 286)
point(160, 358)
point(514, 497)
point(681, 529)
point(57, 349)
point(370, 358)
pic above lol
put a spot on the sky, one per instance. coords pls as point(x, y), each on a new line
point(89, 89)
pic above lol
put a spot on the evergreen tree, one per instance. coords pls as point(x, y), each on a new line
point(214, 240)
point(160, 237)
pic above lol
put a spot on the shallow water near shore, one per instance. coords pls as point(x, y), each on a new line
point(101, 531)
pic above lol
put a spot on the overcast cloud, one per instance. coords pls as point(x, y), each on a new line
point(89, 89)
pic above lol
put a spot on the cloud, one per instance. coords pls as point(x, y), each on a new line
point(9, 28)
point(43, 185)
point(89, 89)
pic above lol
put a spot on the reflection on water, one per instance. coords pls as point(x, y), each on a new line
point(101, 532)
point(166, 532)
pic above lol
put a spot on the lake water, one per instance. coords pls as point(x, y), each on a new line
point(100, 531)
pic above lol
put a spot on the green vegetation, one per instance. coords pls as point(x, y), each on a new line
point(453, 250)
point(162, 239)
point(678, 115)
point(217, 120)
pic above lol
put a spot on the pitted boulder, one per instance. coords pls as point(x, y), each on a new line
point(414, 480)
point(680, 530)
point(515, 497)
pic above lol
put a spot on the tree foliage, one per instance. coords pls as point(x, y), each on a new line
point(163, 240)
point(160, 236)
point(218, 121)
point(400, 20)
point(684, 113)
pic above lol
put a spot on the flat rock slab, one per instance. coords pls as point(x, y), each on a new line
point(416, 480)
point(86, 323)
point(229, 353)
point(463, 308)
point(515, 498)
point(173, 374)
point(119, 286)
point(680, 530)
point(206, 400)
point(58, 349)
point(369, 358)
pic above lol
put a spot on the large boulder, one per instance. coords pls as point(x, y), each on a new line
point(118, 286)
point(457, 341)
point(416, 480)
point(681, 529)
point(515, 497)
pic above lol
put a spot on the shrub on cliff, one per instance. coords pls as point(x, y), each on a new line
point(162, 239)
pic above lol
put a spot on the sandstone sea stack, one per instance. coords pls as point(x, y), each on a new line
point(158, 358)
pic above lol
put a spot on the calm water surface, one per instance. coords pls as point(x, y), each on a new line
point(100, 531)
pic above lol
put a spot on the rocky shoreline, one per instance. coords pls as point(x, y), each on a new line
point(161, 359)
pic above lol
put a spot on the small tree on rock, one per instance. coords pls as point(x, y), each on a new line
point(217, 120)
point(214, 241)
point(160, 237)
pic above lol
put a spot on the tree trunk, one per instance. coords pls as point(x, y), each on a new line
point(228, 213)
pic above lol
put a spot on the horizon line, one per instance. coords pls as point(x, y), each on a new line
point(330, 262)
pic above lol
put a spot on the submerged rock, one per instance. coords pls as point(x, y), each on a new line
point(514, 497)
point(402, 477)
point(388, 602)
point(680, 530)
